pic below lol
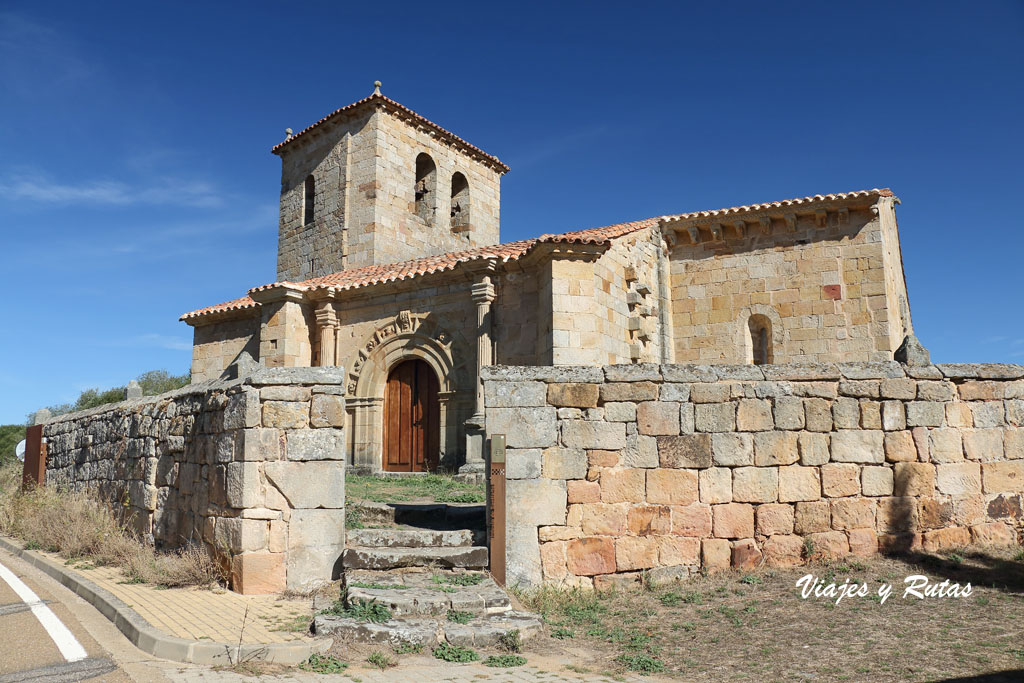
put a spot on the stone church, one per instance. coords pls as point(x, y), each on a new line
point(390, 265)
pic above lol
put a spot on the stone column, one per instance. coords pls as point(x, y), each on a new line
point(483, 294)
point(327, 325)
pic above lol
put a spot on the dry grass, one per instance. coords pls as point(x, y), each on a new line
point(755, 626)
point(79, 527)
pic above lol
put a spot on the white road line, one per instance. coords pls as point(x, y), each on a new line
point(66, 642)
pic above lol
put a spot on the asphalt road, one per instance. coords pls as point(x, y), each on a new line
point(47, 633)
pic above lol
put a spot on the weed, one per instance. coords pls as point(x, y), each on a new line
point(362, 610)
point(670, 599)
point(808, 549)
point(455, 653)
point(459, 617)
point(511, 641)
point(642, 663)
point(505, 661)
point(751, 580)
point(323, 664)
point(408, 648)
point(381, 660)
point(563, 633)
point(693, 598)
point(379, 586)
point(459, 579)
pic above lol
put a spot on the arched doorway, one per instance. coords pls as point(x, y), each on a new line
point(412, 418)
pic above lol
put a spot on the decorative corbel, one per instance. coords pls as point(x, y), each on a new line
point(821, 217)
point(741, 228)
point(766, 225)
point(844, 215)
point(791, 221)
point(694, 234)
point(716, 231)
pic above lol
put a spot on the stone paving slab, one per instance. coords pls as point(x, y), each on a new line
point(427, 592)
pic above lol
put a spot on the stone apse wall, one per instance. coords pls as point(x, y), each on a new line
point(625, 468)
point(253, 468)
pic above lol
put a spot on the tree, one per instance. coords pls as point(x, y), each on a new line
point(153, 382)
point(10, 435)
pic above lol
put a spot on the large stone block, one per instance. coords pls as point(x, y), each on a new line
point(846, 413)
point(715, 554)
point(733, 520)
point(244, 486)
point(715, 417)
point(858, 446)
point(309, 484)
point(242, 410)
point(914, 479)
point(524, 427)
point(582, 491)
point(853, 513)
point(814, 448)
point(894, 417)
point(315, 444)
point(754, 415)
point(691, 520)
point(640, 451)
point(675, 551)
point(240, 535)
point(775, 448)
point(840, 479)
point(797, 483)
point(900, 447)
point(632, 553)
point(590, 556)
point(812, 517)
point(983, 444)
point(774, 518)
point(259, 443)
point(876, 481)
point(623, 486)
point(649, 520)
point(327, 410)
point(715, 485)
point(573, 395)
point(258, 573)
point(925, 413)
point(732, 449)
point(590, 434)
point(958, 478)
point(783, 551)
point(620, 411)
point(1003, 477)
point(629, 391)
point(523, 463)
point(535, 502)
point(285, 393)
point(604, 519)
point(657, 418)
point(286, 414)
point(522, 556)
point(671, 486)
point(817, 415)
point(1014, 442)
point(685, 451)
point(789, 412)
point(897, 514)
point(565, 463)
point(516, 394)
point(945, 445)
point(755, 484)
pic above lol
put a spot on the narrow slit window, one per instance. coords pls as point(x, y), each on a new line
point(761, 352)
point(309, 201)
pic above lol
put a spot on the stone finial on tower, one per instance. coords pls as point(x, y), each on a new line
point(376, 87)
point(133, 390)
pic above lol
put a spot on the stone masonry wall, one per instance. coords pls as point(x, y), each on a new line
point(216, 346)
point(831, 292)
point(254, 469)
point(628, 468)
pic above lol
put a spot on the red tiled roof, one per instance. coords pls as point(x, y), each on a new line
point(371, 275)
point(392, 272)
point(407, 113)
point(715, 213)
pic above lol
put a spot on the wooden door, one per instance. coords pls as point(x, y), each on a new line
point(412, 418)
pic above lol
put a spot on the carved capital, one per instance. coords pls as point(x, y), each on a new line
point(483, 291)
point(791, 221)
point(326, 315)
point(694, 234)
point(716, 231)
point(766, 225)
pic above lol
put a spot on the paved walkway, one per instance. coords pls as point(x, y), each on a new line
point(201, 614)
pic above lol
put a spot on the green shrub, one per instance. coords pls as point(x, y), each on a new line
point(642, 663)
point(505, 661)
point(381, 660)
point(511, 641)
point(323, 664)
point(459, 617)
point(455, 653)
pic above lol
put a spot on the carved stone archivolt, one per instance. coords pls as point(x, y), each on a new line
point(409, 335)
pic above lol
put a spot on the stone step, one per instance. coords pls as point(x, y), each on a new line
point(428, 515)
point(413, 538)
point(483, 631)
point(427, 592)
point(467, 557)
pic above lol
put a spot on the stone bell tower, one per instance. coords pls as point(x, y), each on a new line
point(375, 183)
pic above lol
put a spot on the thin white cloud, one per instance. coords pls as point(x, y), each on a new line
point(32, 53)
point(38, 187)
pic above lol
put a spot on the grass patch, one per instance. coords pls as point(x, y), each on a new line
point(91, 533)
point(505, 661)
point(459, 617)
point(455, 653)
point(408, 648)
point(458, 579)
point(323, 664)
point(438, 488)
point(380, 586)
point(361, 610)
point(641, 663)
point(381, 660)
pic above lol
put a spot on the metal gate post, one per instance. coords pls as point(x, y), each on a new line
point(496, 508)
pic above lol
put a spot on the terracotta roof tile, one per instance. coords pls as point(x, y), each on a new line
point(371, 275)
point(510, 251)
point(715, 213)
point(404, 112)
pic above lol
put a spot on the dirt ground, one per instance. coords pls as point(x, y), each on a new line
point(756, 626)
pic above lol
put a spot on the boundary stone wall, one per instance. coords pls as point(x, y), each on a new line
point(617, 470)
point(253, 468)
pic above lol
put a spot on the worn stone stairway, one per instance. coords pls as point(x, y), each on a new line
point(426, 564)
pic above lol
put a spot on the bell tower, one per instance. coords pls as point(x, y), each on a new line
point(375, 183)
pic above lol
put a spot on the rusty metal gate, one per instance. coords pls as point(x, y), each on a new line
point(34, 472)
point(496, 508)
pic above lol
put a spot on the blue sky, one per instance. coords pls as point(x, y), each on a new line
point(136, 180)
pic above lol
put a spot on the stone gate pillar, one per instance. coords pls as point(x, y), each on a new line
point(483, 294)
